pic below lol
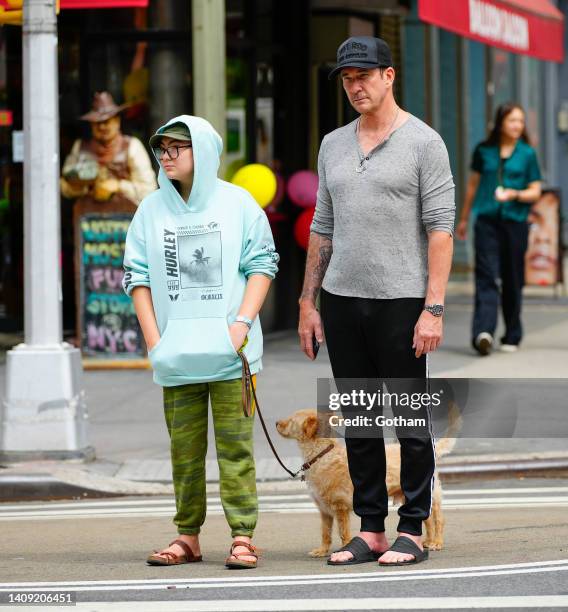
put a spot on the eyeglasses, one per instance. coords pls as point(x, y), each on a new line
point(172, 152)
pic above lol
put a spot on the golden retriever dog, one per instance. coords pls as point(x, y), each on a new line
point(330, 484)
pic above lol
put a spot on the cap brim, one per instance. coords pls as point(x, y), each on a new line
point(340, 67)
point(157, 138)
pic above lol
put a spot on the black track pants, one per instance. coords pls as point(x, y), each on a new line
point(372, 339)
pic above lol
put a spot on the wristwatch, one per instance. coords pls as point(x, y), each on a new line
point(243, 319)
point(435, 309)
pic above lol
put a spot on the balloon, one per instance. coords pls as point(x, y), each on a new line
point(302, 228)
point(303, 188)
point(258, 180)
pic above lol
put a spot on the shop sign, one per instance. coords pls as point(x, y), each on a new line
point(102, 4)
point(535, 28)
point(498, 25)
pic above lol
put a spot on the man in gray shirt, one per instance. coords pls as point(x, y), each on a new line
point(380, 251)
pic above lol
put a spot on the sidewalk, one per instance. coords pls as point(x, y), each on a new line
point(130, 439)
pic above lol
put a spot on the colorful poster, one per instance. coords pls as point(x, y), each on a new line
point(108, 325)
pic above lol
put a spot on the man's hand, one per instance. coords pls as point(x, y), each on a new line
point(427, 334)
point(309, 326)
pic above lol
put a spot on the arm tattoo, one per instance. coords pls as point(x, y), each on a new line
point(316, 267)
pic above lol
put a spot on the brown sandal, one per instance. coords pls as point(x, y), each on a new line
point(233, 561)
point(170, 558)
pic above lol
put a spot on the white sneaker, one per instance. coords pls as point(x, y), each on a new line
point(509, 348)
point(484, 343)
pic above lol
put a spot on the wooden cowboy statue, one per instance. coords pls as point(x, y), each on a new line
point(107, 176)
point(110, 166)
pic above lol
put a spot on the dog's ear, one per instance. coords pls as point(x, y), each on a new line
point(310, 426)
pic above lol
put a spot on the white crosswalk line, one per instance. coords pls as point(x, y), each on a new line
point(560, 565)
point(281, 503)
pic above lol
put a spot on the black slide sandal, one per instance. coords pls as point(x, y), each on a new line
point(405, 545)
point(360, 551)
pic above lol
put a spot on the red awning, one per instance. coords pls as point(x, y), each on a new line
point(100, 4)
point(530, 27)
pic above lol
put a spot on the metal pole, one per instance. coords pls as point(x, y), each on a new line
point(209, 85)
point(42, 292)
point(43, 414)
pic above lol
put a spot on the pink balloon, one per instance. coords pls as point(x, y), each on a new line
point(303, 188)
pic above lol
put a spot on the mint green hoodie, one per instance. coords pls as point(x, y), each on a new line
point(196, 257)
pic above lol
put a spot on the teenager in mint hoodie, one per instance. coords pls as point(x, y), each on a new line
point(198, 264)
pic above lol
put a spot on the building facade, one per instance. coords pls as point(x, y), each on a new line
point(279, 102)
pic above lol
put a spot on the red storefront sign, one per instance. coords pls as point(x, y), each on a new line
point(530, 27)
point(100, 4)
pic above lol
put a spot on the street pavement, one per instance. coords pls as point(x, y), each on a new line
point(505, 546)
point(506, 533)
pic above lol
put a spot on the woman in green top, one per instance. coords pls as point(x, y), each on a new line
point(504, 182)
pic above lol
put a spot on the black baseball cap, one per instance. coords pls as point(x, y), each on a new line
point(362, 52)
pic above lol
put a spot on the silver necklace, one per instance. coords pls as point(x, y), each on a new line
point(362, 161)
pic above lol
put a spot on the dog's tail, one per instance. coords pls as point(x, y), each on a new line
point(446, 444)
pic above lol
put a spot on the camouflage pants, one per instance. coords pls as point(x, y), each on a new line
point(186, 411)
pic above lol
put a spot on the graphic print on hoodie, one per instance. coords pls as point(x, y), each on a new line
point(196, 257)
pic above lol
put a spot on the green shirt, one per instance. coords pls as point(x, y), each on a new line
point(516, 172)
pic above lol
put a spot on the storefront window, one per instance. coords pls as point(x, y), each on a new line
point(477, 123)
point(535, 106)
point(415, 87)
point(250, 77)
point(450, 114)
point(503, 77)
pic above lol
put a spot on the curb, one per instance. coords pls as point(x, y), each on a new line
point(55, 482)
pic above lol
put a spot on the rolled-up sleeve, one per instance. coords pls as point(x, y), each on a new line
point(259, 254)
point(437, 189)
point(323, 216)
point(135, 259)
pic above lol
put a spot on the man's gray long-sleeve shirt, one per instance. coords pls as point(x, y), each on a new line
point(378, 218)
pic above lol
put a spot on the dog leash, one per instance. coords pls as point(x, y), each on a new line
point(250, 400)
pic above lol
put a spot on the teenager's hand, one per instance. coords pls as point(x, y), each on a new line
point(238, 332)
point(427, 334)
point(151, 343)
point(308, 327)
